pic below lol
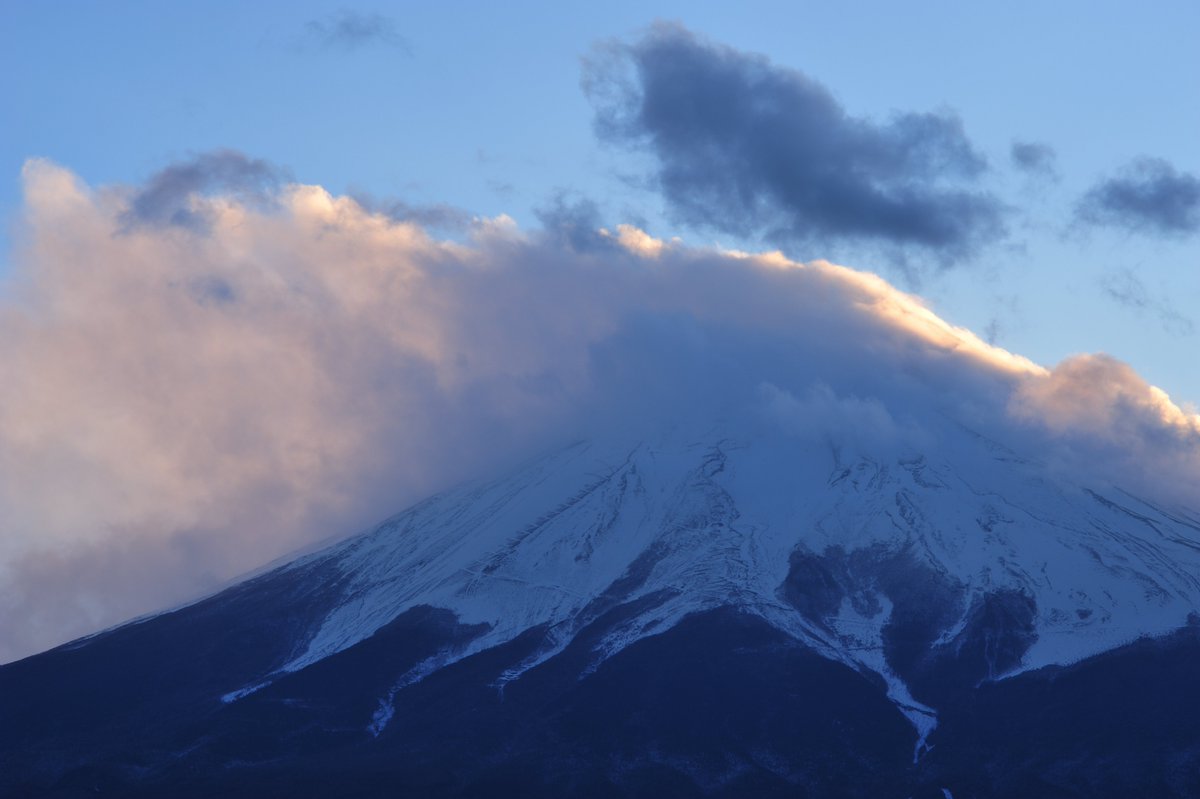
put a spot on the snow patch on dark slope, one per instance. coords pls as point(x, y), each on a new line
point(862, 561)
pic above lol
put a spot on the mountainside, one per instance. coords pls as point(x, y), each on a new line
point(733, 612)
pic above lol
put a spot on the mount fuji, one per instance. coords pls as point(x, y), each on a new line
point(726, 609)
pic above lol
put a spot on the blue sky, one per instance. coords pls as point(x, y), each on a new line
point(479, 106)
point(197, 347)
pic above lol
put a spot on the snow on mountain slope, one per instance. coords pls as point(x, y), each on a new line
point(862, 553)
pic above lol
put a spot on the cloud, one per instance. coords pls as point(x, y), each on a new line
point(168, 198)
point(1148, 195)
point(752, 149)
point(1033, 158)
point(351, 30)
point(574, 223)
point(1125, 288)
point(436, 216)
point(177, 409)
point(852, 422)
point(1098, 410)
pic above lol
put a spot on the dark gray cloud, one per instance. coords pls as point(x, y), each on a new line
point(165, 200)
point(1148, 195)
point(756, 150)
point(574, 223)
point(1125, 288)
point(350, 30)
point(1033, 158)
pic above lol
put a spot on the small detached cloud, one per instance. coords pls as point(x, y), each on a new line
point(1148, 195)
point(169, 198)
point(746, 147)
point(574, 223)
point(1125, 288)
point(1034, 159)
point(351, 30)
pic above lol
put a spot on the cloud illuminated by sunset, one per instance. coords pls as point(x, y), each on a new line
point(185, 402)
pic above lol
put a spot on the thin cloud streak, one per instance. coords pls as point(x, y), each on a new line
point(1123, 287)
point(348, 30)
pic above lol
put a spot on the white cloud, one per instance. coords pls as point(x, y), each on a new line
point(180, 405)
point(1101, 413)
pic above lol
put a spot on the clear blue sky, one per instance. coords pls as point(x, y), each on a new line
point(478, 105)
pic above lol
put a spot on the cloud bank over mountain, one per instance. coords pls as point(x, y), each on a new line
point(258, 365)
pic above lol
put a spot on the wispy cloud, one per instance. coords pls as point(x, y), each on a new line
point(749, 148)
point(1034, 159)
point(1148, 195)
point(434, 216)
point(352, 30)
point(1126, 288)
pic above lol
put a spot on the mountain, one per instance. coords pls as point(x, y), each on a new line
point(710, 611)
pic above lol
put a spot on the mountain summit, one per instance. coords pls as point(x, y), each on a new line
point(739, 609)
